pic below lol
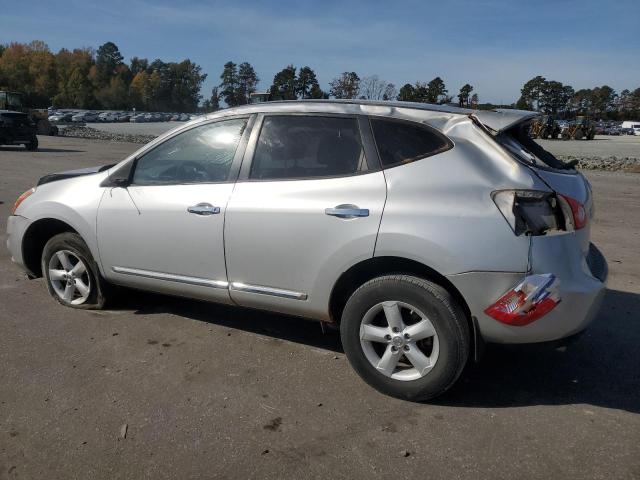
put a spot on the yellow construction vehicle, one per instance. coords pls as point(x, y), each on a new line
point(581, 128)
point(545, 127)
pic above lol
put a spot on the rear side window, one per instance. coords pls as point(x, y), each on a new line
point(401, 142)
point(301, 146)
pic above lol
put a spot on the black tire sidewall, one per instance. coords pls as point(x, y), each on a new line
point(443, 312)
point(74, 243)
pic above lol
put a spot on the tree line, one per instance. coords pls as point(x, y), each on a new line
point(239, 82)
point(101, 79)
point(562, 101)
point(88, 79)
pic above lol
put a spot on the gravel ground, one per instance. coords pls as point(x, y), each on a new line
point(160, 387)
point(92, 133)
point(603, 153)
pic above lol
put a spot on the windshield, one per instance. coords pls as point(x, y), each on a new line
point(518, 142)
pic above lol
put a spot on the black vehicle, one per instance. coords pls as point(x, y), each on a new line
point(16, 128)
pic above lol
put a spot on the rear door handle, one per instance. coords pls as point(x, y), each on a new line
point(203, 209)
point(347, 211)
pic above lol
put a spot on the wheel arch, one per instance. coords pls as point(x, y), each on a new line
point(35, 238)
point(373, 267)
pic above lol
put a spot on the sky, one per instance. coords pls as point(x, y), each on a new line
point(495, 45)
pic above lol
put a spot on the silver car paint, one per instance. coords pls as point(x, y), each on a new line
point(144, 229)
point(438, 211)
point(278, 235)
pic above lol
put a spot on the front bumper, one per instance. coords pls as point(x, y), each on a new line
point(582, 287)
point(16, 227)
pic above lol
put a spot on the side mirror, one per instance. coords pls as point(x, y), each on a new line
point(114, 182)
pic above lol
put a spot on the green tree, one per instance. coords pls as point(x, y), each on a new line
point(407, 93)
point(603, 99)
point(530, 93)
point(346, 85)
point(463, 96)
point(306, 83)
point(284, 84)
point(229, 84)
point(554, 97)
point(247, 83)
point(108, 58)
point(435, 90)
point(317, 93)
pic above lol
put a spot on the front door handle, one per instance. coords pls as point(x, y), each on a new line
point(203, 209)
point(347, 211)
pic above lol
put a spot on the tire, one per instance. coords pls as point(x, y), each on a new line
point(89, 288)
point(446, 346)
point(32, 146)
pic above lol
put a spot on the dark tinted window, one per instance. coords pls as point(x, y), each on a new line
point(200, 155)
point(403, 142)
point(300, 146)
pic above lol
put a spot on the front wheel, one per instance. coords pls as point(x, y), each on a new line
point(405, 336)
point(71, 273)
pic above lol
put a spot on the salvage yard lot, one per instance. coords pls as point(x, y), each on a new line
point(212, 392)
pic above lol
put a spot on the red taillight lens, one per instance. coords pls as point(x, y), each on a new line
point(533, 298)
point(21, 199)
point(578, 212)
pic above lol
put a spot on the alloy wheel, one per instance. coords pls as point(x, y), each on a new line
point(69, 277)
point(399, 340)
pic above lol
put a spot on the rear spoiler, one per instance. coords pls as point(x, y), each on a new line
point(501, 119)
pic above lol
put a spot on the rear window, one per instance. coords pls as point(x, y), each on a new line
point(518, 142)
point(401, 142)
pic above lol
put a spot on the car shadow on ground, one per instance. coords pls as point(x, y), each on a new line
point(600, 368)
point(284, 327)
point(18, 148)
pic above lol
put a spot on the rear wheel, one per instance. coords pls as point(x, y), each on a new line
point(405, 336)
point(71, 273)
point(32, 145)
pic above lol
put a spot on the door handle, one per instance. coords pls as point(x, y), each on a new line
point(203, 209)
point(347, 211)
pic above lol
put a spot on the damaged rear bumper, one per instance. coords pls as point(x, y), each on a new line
point(582, 277)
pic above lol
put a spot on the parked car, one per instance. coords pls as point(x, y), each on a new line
point(423, 231)
point(139, 118)
point(108, 117)
point(60, 117)
point(16, 128)
point(85, 117)
point(123, 117)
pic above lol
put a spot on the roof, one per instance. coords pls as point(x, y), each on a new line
point(497, 120)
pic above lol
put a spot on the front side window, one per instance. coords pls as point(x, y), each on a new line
point(403, 142)
point(300, 146)
point(201, 155)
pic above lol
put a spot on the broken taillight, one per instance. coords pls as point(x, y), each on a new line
point(531, 299)
point(578, 212)
point(529, 212)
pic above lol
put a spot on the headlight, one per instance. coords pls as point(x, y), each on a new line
point(21, 199)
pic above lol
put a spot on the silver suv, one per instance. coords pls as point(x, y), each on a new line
point(423, 231)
